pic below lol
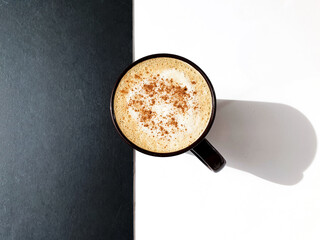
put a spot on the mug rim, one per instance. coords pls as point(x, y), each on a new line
point(204, 133)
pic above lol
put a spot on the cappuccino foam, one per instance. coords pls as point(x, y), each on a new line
point(162, 105)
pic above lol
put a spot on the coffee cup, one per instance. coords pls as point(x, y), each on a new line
point(164, 105)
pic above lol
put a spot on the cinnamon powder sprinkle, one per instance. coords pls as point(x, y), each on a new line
point(168, 91)
point(173, 122)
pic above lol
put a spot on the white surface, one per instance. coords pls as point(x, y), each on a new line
point(266, 54)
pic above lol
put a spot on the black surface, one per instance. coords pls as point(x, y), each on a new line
point(64, 171)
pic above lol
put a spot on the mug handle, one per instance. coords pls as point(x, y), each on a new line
point(209, 155)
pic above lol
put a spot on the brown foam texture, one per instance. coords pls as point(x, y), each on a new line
point(157, 111)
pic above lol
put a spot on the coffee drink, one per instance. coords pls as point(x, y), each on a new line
point(162, 104)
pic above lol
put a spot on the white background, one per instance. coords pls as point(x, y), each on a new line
point(263, 59)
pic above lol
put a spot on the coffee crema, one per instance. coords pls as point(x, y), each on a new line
point(163, 104)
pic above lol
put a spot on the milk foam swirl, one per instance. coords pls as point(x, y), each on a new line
point(162, 104)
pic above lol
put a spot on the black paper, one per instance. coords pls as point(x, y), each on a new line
point(64, 171)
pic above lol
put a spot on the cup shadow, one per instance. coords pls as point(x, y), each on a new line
point(272, 141)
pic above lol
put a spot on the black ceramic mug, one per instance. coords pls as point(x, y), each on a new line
point(201, 147)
